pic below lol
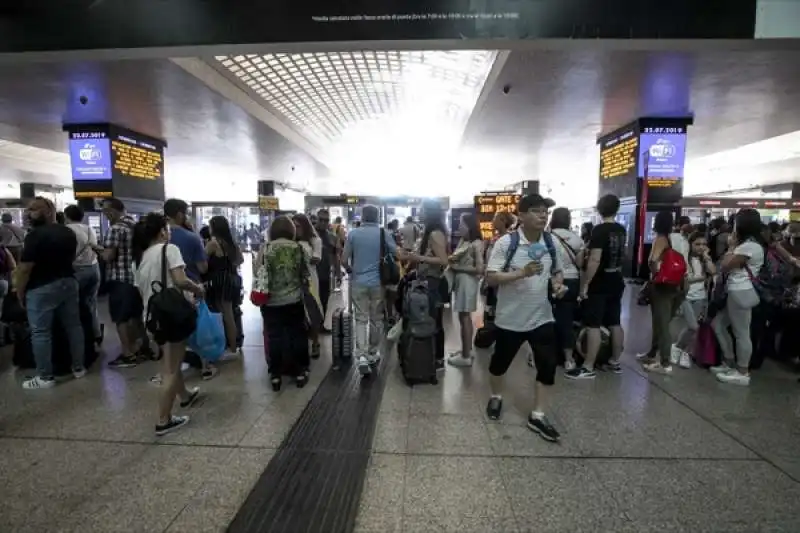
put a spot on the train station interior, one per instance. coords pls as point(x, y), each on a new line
point(466, 105)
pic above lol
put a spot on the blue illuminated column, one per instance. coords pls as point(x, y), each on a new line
point(643, 164)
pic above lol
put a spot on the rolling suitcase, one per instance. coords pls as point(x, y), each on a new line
point(342, 332)
point(416, 349)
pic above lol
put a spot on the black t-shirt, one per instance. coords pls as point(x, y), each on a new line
point(610, 238)
point(51, 249)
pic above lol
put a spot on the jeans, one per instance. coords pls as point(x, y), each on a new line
point(88, 277)
point(736, 315)
point(55, 300)
point(368, 310)
point(691, 310)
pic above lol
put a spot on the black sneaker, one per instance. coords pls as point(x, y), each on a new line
point(543, 427)
point(580, 373)
point(315, 350)
point(614, 367)
point(494, 408)
point(146, 353)
point(124, 361)
point(194, 394)
point(174, 423)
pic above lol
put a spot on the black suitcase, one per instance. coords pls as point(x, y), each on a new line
point(417, 357)
point(62, 359)
point(342, 336)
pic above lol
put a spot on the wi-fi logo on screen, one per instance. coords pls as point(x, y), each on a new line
point(90, 152)
point(662, 148)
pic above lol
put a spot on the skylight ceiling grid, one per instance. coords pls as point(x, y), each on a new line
point(324, 94)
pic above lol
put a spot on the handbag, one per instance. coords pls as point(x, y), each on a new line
point(311, 305)
point(389, 270)
point(259, 293)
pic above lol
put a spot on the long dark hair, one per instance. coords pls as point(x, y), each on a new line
point(747, 224)
point(145, 232)
point(663, 223)
point(221, 230)
point(473, 228)
point(433, 220)
point(306, 230)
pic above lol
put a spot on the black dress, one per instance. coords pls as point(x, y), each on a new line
point(223, 280)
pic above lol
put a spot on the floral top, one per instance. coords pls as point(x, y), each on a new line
point(287, 270)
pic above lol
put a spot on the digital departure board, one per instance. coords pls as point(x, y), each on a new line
point(489, 204)
point(619, 156)
point(108, 160)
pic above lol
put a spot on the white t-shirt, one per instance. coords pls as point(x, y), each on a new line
point(87, 240)
point(149, 269)
point(697, 289)
point(522, 305)
point(680, 244)
point(565, 257)
point(739, 278)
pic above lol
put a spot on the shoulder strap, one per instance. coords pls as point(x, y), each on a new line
point(164, 267)
point(551, 249)
point(382, 245)
point(513, 244)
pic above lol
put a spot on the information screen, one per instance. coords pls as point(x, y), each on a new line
point(489, 204)
point(619, 155)
point(107, 160)
point(663, 155)
point(138, 165)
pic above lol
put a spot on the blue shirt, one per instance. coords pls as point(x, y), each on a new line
point(191, 248)
point(363, 251)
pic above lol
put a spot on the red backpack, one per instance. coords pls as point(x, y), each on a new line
point(672, 269)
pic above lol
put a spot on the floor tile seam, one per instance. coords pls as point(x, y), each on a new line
point(722, 430)
point(153, 443)
point(593, 458)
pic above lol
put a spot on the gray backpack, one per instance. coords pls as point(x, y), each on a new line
point(416, 311)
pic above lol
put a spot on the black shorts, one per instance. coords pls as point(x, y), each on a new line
point(542, 341)
point(124, 302)
point(602, 310)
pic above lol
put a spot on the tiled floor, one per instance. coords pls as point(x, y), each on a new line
point(639, 453)
point(83, 458)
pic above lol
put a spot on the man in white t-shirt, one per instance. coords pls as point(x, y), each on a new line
point(521, 266)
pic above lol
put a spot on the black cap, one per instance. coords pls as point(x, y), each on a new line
point(529, 201)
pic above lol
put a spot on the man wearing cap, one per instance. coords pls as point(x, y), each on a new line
point(522, 265)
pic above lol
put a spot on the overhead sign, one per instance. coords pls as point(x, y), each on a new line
point(739, 203)
point(268, 203)
point(487, 205)
point(619, 156)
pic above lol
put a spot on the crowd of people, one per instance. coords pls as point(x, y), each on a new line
point(541, 283)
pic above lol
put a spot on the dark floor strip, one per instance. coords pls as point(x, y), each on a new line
point(313, 483)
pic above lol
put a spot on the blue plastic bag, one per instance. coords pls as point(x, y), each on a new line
point(208, 340)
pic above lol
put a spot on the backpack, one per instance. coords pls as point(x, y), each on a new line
point(4, 267)
point(672, 270)
point(418, 321)
point(170, 316)
point(773, 280)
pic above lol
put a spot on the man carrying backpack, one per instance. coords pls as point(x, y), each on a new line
point(522, 266)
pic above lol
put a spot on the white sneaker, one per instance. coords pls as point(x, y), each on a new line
point(720, 369)
point(734, 377)
point(675, 355)
point(685, 360)
point(38, 383)
point(656, 368)
point(644, 355)
point(78, 374)
point(457, 359)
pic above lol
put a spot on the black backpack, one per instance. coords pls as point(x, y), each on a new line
point(170, 316)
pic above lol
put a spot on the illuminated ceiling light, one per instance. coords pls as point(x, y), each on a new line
point(331, 92)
